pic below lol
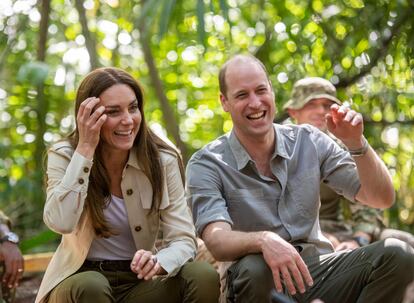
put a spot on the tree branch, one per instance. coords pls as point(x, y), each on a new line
point(379, 53)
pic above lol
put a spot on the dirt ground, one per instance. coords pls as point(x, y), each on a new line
point(26, 292)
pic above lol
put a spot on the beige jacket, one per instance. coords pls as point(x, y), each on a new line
point(68, 177)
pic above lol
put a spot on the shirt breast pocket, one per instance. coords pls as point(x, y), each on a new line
point(304, 192)
point(250, 209)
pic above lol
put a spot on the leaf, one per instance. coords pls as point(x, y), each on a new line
point(42, 238)
point(33, 72)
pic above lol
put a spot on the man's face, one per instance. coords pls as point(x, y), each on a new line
point(249, 100)
point(313, 113)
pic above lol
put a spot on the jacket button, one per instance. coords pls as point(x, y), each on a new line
point(138, 228)
point(129, 192)
point(86, 169)
point(81, 181)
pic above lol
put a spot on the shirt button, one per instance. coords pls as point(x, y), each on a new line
point(81, 181)
point(86, 169)
point(129, 192)
point(138, 228)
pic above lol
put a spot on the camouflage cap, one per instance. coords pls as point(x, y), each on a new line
point(311, 88)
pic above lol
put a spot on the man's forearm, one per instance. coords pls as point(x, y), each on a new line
point(376, 184)
point(228, 245)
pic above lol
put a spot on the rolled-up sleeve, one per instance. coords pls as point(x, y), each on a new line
point(338, 169)
point(67, 186)
point(204, 193)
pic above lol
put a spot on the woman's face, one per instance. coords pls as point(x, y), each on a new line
point(123, 118)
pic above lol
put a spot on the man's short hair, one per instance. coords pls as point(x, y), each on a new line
point(223, 69)
point(307, 89)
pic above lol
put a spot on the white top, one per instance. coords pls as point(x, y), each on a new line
point(116, 247)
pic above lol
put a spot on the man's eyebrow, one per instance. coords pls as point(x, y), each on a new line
point(238, 92)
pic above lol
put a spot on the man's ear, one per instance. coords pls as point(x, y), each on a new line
point(292, 112)
point(224, 104)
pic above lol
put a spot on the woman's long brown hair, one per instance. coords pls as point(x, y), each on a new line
point(147, 146)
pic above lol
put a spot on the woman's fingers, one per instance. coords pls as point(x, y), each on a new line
point(145, 264)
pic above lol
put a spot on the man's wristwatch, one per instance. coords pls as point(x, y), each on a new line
point(10, 237)
point(361, 241)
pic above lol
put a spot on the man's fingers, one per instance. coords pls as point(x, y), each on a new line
point(349, 115)
point(297, 276)
point(357, 119)
point(276, 279)
point(287, 279)
point(304, 271)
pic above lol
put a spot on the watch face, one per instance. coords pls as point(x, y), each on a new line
point(12, 237)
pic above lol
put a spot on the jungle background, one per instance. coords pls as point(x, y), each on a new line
point(175, 48)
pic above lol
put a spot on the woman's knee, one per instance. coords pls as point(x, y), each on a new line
point(86, 286)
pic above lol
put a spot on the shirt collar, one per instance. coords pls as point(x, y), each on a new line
point(243, 158)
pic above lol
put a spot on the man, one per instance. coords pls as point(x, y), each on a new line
point(255, 197)
point(310, 102)
point(10, 258)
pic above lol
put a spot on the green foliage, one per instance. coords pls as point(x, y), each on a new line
point(364, 47)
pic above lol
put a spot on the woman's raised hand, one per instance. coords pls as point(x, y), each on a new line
point(90, 119)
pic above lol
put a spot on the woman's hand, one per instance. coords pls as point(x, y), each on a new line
point(146, 265)
point(90, 119)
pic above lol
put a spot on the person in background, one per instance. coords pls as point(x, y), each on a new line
point(348, 225)
point(112, 187)
point(11, 259)
point(254, 195)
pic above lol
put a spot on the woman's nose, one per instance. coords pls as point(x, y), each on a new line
point(127, 118)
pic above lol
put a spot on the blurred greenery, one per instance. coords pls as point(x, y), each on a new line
point(175, 48)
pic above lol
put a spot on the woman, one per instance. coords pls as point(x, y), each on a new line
point(111, 188)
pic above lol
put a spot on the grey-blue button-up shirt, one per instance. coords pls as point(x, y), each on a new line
point(223, 184)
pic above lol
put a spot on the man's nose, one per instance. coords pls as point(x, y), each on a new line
point(254, 101)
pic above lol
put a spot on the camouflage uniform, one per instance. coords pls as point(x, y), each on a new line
point(4, 219)
point(338, 216)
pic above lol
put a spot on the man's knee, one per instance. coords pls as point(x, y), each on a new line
point(250, 278)
point(401, 256)
point(254, 268)
point(202, 283)
point(200, 272)
point(397, 234)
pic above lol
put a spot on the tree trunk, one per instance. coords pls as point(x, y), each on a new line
point(168, 113)
point(42, 103)
point(90, 41)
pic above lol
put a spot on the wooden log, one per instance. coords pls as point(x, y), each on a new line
point(36, 262)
